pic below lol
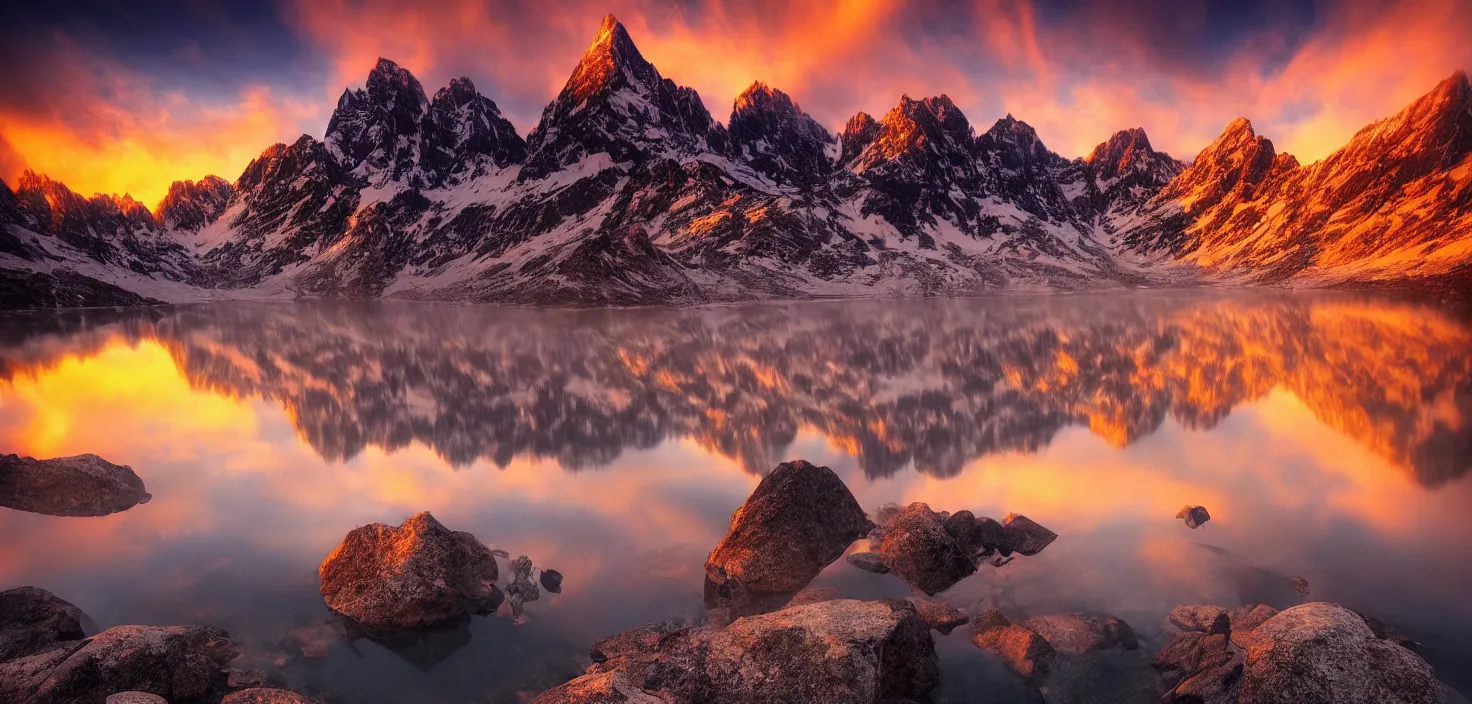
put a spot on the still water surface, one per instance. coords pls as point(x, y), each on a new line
point(1329, 436)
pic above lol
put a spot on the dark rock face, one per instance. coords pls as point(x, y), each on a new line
point(868, 562)
point(918, 549)
point(799, 520)
point(1300, 585)
point(135, 698)
point(266, 695)
point(1083, 633)
point(840, 651)
point(415, 575)
point(1024, 536)
point(179, 663)
point(1319, 653)
point(113, 230)
point(978, 537)
point(190, 205)
point(1022, 651)
point(521, 589)
point(34, 620)
point(39, 290)
point(1194, 516)
point(774, 135)
point(84, 485)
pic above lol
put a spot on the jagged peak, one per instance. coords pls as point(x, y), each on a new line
point(1239, 126)
point(389, 71)
point(760, 94)
point(860, 121)
point(611, 50)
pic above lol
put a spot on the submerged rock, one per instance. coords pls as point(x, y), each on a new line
point(1195, 516)
point(179, 663)
point(940, 616)
point(415, 575)
point(799, 520)
point(813, 595)
point(84, 485)
point(245, 679)
point(33, 620)
point(918, 549)
point(1022, 650)
point(868, 562)
point(1024, 536)
point(266, 695)
point(832, 652)
point(551, 581)
point(1079, 633)
point(522, 589)
point(1204, 618)
point(1321, 653)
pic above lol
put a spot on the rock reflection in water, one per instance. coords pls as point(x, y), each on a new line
point(928, 384)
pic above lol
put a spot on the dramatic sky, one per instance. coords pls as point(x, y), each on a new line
point(127, 97)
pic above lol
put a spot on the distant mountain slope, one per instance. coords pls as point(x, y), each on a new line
point(1396, 202)
point(627, 191)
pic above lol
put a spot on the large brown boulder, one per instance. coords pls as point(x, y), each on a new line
point(179, 663)
point(799, 520)
point(84, 485)
point(34, 620)
point(416, 575)
point(1321, 653)
point(918, 549)
point(831, 652)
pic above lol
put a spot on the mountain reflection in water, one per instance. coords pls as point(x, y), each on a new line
point(1328, 435)
point(932, 384)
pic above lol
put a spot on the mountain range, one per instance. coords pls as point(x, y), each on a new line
point(628, 191)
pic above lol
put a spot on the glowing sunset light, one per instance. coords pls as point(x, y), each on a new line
point(117, 112)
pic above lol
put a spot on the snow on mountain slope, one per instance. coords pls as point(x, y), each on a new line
point(627, 192)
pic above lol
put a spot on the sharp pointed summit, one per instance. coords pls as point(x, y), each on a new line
point(616, 103)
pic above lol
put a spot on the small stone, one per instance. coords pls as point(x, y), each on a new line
point(1024, 536)
point(551, 581)
point(938, 615)
point(521, 589)
point(1195, 516)
point(136, 698)
point(243, 679)
point(1204, 618)
point(1300, 585)
point(868, 562)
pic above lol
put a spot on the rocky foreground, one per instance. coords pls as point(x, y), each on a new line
point(767, 636)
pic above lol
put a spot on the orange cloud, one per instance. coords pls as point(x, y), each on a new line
point(113, 130)
point(1077, 75)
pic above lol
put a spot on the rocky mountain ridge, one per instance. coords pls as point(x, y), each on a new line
point(627, 191)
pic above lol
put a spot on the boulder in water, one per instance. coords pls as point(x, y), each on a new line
point(940, 616)
point(1078, 633)
point(799, 520)
point(33, 620)
point(416, 575)
point(84, 485)
point(918, 549)
point(1021, 650)
point(1024, 536)
point(1194, 516)
point(868, 562)
point(179, 663)
point(832, 652)
point(551, 581)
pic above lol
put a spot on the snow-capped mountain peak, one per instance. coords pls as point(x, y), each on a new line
point(769, 131)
